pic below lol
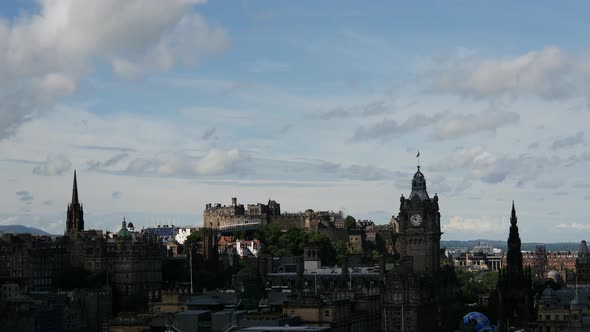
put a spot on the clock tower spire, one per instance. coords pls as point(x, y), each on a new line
point(419, 227)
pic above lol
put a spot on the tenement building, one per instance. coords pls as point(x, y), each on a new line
point(131, 260)
point(419, 292)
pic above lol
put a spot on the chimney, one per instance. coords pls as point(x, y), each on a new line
point(234, 201)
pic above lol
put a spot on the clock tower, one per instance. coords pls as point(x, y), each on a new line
point(418, 227)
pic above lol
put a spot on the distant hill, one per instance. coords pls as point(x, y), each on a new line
point(20, 229)
point(469, 244)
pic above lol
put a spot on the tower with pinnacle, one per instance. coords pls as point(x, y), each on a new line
point(515, 285)
point(75, 214)
point(419, 292)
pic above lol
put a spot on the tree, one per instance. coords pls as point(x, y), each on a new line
point(341, 248)
point(350, 222)
point(192, 240)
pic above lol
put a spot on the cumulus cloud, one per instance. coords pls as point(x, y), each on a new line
point(44, 55)
point(175, 163)
point(53, 165)
point(487, 121)
point(548, 74)
point(218, 162)
point(390, 128)
point(494, 168)
point(568, 141)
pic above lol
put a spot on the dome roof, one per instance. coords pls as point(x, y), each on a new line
point(124, 232)
point(419, 186)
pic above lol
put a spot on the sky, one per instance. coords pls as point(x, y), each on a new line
point(164, 106)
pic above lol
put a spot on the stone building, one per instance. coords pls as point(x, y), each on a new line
point(341, 311)
point(565, 309)
point(251, 217)
point(130, 260)
point(418, 293)
point(583, 264)
point(558, 260)
point(515, 286)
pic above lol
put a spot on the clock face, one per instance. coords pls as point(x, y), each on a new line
point(416, 220)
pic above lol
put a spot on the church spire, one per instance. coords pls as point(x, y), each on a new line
point(75, 214)
point(75, 190)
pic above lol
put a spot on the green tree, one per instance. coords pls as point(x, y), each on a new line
point(350, 222)
point(489, 280)
point(192, 240)
point(341, 248)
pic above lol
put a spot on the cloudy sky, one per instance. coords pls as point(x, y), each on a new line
point(164, 106)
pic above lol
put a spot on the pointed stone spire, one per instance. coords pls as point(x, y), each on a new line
point(514, 256)
point(75, 214)
point(75, 191)
point(513, 219)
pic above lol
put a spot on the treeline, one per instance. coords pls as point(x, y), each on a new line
point(291, 242)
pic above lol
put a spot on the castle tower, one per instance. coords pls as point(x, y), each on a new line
point(515, 287)
point(75, 213)
point(419, 227)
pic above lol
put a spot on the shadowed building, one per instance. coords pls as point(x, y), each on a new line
point(131, 260)
point(583, 264)
point(418, 293)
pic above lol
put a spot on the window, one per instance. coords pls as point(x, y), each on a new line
point(547, 317)
point(327, 313)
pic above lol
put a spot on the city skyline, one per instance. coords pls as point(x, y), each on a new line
point(324, 107)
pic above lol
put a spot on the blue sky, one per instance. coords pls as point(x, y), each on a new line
point(163, 107)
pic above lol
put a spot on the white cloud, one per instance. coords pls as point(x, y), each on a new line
point(44, 55)
point(475, 226)
point(218, 162)
point(574, 226)
point(548, 74)
point(53, 165)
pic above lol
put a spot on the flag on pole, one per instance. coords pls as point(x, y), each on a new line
point(418, 155)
